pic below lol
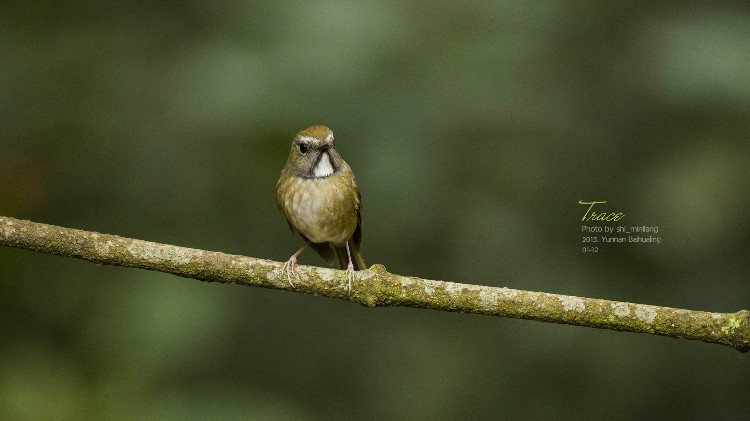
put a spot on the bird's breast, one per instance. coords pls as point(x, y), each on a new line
point(321, 209)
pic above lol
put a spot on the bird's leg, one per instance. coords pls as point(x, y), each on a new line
point(288, 267)
point(350, 268)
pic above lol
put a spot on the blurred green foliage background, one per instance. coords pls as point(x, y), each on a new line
point(474, 128)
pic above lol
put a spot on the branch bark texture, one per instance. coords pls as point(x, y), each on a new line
point(376, 287)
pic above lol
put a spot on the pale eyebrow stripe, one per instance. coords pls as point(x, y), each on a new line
point(310, 139)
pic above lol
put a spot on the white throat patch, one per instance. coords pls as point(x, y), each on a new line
point(324, 167)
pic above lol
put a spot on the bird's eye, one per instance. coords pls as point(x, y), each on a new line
point(302, 148)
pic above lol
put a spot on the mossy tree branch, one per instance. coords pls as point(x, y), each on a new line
point(376, 287)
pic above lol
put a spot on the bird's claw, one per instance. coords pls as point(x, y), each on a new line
point(288, 268)
point(350, 275)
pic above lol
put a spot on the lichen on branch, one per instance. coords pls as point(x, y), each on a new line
point(375, 286)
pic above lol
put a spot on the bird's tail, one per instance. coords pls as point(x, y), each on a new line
point(336, 256)
point(343, 259)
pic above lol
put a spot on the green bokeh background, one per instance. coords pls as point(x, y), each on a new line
point(474, 128)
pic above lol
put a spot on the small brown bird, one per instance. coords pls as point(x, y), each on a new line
point(319, 197)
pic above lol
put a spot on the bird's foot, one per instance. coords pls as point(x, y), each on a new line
point(288, 268)
point(350, 275)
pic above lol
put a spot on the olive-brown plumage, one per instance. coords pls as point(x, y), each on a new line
point(319, 197)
